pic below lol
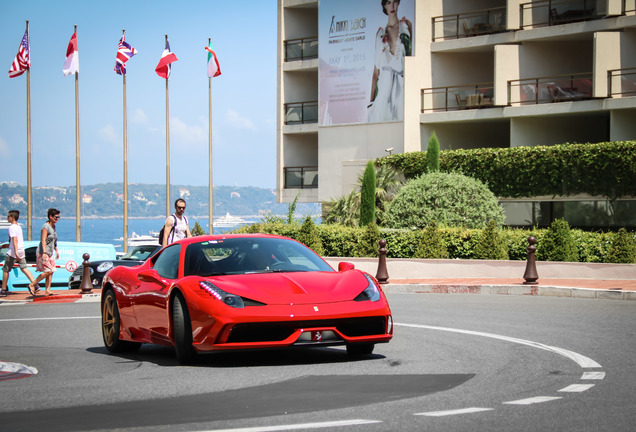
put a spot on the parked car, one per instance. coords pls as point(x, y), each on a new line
point(135, 256)
point(242, 291)
point(71, 257)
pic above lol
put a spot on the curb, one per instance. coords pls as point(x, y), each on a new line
point(531, 290)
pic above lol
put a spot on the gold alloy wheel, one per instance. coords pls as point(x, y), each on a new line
point(108, 320)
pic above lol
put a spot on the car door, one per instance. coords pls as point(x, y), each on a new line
point(150, 297)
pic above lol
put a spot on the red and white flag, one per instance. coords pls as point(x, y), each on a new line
point(214, 69)
point(71, 65)
point(163, 68)
point(22, 60)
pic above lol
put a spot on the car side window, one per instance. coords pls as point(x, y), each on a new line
point(30, 255)
point(167, 264)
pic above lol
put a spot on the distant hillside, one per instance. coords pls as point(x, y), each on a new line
point(145, 200)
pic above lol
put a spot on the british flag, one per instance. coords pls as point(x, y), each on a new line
point(124, 53)
point(22, 60)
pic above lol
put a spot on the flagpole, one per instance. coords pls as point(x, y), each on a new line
point(211, 183)
point(125, 236)
point(167, 148)
point(28, 106)
point(78, 216)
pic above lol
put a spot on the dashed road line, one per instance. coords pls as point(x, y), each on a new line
point(454, 412)
point(299, 426)
point(593, 375)
point(577, 388)
point(533, 400)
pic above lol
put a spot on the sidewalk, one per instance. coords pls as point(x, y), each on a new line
point(576, 280)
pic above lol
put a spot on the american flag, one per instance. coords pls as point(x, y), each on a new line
point(124, 53)
point(22, 60)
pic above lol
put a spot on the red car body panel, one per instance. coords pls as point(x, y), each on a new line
point(282, 306)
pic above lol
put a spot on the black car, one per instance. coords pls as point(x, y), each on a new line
point(135, 256)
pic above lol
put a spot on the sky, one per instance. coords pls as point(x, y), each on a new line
point(243, 97)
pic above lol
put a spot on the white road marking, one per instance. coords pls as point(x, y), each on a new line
point(581, 360)
point(10, 371)
point(577, 388)
point(593, 375)
point(454, 412)
point(49, 319)
point(299, 426)
point(534, 400)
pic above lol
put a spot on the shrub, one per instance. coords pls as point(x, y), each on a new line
point(308, 236)
point(451, 199)
point(490, 244)
point(197, 230)
point(558, 243)
point(368, 245)
point(367, 196)
point(431, 244)
point(623, 248)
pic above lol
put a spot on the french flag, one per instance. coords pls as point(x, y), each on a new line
point(163, 68)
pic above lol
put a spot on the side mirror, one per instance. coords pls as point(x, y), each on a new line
point(149, 275)
point(345, 266)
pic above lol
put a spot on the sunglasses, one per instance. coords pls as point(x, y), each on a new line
point(180, 208)
point(56, 217)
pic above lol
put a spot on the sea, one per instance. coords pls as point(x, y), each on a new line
point(112, 230)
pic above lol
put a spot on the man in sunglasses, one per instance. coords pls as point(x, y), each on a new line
point(176, 226)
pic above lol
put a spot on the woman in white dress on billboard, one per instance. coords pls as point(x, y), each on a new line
point(392, 43)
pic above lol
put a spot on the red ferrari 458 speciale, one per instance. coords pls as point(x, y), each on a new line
point(242, 291)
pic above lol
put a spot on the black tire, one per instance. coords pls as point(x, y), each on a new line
point(110, 326)
point(361, 349)
point(182, 331)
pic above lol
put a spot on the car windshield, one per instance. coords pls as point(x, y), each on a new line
point(140, 253)
point(250, 255)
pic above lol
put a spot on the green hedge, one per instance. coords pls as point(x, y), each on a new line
point(340, 241)
point(602, 169)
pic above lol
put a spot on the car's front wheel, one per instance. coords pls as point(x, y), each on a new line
point(111, 326)
point(182, 329)
point(360, 349)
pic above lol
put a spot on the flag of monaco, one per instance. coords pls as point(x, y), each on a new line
point(163, 68)
point(214, 69)
point(71, 65)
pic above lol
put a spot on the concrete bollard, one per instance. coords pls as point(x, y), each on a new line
point(86, 285)
point(530, 274)
point(382, 275)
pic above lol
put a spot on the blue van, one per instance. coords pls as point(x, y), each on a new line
point(70, 259)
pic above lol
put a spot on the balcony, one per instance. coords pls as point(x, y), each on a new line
point(469, 24)
point(556, 88)
point(301, 177)
point(555, 12)
point(621, 82)
point(301, 49)
point(301, 113)
point(451, 98)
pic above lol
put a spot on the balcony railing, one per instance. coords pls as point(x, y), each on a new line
point(556, 88)
point(451, 98)
point(621, 82)
point(301, 49)
point(469, 24)
point(555, 12)
point(301, 177)
point(301, 113)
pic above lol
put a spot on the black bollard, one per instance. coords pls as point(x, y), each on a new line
point(530, 274)
point(382, 275)
point(86, 285)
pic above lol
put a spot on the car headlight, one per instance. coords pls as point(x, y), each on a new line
point(105, 266)
point(227, 298)
point(371, 292)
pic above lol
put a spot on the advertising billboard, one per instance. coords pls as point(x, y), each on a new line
point(361, 50)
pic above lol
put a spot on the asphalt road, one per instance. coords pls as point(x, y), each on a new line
point(457, 362)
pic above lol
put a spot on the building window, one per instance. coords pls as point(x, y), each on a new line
point(301, 177)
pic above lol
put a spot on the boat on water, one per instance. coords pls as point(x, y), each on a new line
point(229, 221)
point(152, 238)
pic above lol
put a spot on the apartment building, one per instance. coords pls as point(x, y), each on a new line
point(480, 73)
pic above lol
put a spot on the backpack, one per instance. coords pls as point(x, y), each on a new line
point(164, 227)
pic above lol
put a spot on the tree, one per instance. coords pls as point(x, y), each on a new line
point(558, 243)
point(197, 230)
point(432, 154)
point(490, 244)
point(308, 236)
point(367, 196)
point(450, 199)
point(623, 249)
point(432, 243)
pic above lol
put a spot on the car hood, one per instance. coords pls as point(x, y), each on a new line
point(295, 287)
